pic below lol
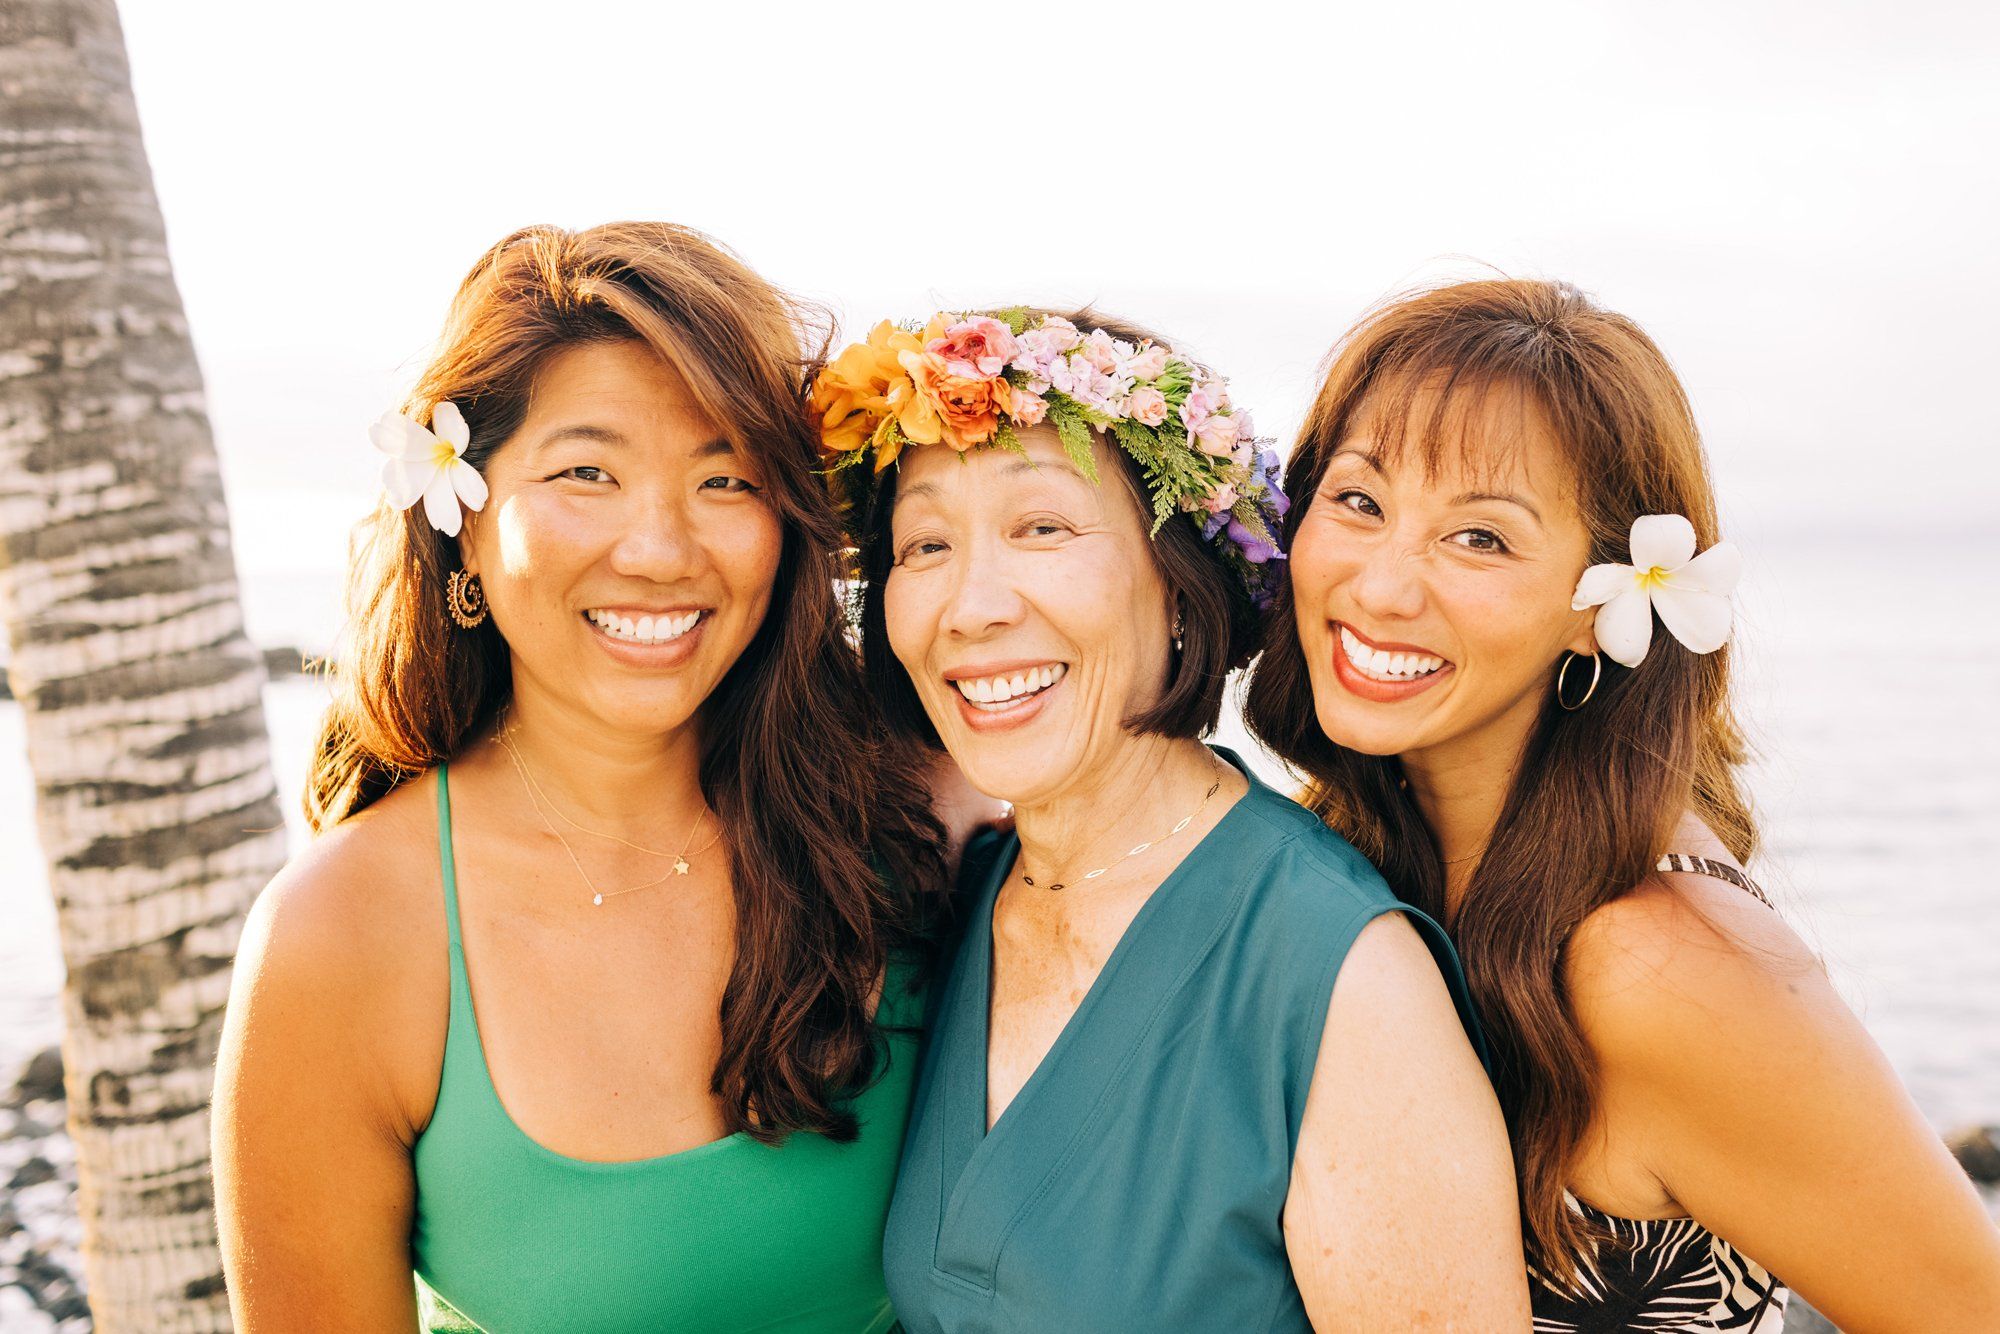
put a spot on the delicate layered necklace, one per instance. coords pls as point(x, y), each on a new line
point(1185, 821)
point(538, 799)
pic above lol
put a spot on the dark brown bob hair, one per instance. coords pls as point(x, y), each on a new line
point(1599, 791)
point(832, 845)
point(1221, 626)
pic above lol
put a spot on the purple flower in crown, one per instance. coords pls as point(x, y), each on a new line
point(1254, 548)
point(1267, 472)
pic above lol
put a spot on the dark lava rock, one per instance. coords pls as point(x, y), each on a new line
point(40, 1080)
point(1977, 1149)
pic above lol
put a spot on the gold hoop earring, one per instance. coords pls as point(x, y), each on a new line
point(466, 599)
point(1562, 674)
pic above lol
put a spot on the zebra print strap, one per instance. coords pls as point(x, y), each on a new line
point(1682, 862)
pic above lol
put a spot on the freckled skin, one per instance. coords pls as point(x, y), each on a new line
point(998, 561)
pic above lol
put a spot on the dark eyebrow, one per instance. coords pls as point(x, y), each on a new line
point(1372, 458)
point(604, 435)
point(1016, 466)
point(1474, 497)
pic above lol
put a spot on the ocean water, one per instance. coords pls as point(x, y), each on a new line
point(1871, 686)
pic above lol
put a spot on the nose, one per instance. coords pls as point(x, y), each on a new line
point(655, 540)
point(1388, 584)
point(985, 595)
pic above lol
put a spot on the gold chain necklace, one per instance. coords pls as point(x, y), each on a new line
point(1185, 821)
point(537, 797)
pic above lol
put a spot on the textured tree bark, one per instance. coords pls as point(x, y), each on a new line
point(155, 800)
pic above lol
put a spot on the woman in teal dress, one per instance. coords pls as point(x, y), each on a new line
point(1192, 1067)
point(582, 1004)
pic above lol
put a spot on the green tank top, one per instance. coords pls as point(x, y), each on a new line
point(731, 1235)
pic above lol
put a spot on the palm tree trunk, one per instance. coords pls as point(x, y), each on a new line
point(155, 800)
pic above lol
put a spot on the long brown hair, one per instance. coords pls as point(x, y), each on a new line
point(833, 848)
point(1599, 791)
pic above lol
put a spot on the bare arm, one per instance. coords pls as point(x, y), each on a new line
point(314, 1189)
point(1765, 1110)
point(1402, 1211)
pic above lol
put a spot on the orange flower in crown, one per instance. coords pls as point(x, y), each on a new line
point(867, 398)
point(976, 381)
point(970, 406)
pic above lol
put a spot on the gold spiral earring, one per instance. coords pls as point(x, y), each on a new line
point(466, 599)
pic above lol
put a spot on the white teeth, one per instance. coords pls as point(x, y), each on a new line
point(1385, 665)
point(645, 629)
point(997, 690)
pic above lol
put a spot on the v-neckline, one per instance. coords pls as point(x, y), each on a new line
point(990, 904)
point(984, 1184)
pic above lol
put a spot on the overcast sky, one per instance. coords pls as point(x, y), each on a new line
point(1799, 200)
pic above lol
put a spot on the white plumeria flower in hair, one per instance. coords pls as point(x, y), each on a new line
point(1690, 592)
point(429, 467)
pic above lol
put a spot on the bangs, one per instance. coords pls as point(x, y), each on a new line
point(1448, 420)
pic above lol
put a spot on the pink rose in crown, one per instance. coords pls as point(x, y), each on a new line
point(1198, 407)
point(1029, 409)
point(1224, 497)
point(1101, 350)
point(1150, 363)
point(1147, 406)
point(1062, 335)
point(974, 347)
point(1217, 436)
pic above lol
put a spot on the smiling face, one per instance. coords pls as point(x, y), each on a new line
point(1026, 606)
point(626, 551)
point(1434, 602)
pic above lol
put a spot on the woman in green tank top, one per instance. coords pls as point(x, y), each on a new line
point(592, 1002)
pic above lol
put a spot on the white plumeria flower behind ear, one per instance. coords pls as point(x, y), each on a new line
point(429, 467)
point(1690, 592)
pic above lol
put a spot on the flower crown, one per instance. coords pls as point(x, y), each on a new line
point(972, 381)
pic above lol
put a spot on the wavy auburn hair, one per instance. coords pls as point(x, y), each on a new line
point(1599, 791)
point(833, 849)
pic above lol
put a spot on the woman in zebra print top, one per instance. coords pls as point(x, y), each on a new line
point(1693, 1109)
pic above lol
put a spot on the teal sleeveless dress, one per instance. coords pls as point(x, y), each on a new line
point(730, 1235)
point(1138, 1179)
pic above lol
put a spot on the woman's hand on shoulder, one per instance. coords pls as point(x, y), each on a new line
point(336, 1009)
point(1402, 1209)
point(1749, 1090)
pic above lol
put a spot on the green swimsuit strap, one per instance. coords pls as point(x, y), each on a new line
point(445, 858)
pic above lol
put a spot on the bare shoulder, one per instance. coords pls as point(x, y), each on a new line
point(1388, 962)
point(344, 958)
point(358, 896)
point(1684, 967)
point(1389, 971)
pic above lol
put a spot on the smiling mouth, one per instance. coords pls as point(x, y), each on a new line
point(661, 629)
point(1387, 665)
point(992, 694)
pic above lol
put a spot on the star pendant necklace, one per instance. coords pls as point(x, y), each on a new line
point(537, 798)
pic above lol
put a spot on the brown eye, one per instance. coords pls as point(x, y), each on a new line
point(1360, 502)
point(1480, 539)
